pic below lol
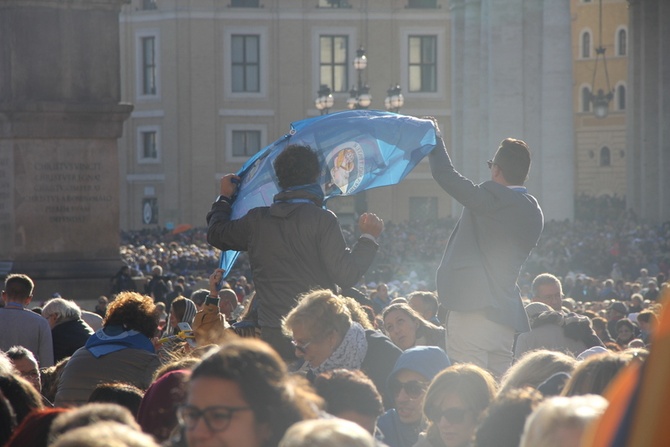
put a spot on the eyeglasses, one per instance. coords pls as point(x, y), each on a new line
point(216, 418)
point(301, 348)
point(490, 163)
point(453, 415)
point(413, 388)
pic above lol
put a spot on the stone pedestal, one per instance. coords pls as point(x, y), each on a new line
point(60, 119)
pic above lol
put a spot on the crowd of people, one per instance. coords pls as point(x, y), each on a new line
point(612, 243)
point(330, 336)
point(145, 379)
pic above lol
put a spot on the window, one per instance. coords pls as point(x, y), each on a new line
point(333, 66)
point(423, 209)
point(245, 3)
point(149, 5)
point(621, 42)
point(245, 59)
point(586, 45)
point(246, 142)
point(148, 65)
point(621, 97)
point(148, 144)
point(334, 4)
point(420, 4)
point(605, 156)
point(586, 99)
point(422, 63)
point(149, 147)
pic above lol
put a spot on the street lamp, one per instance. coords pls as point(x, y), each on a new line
point(359, 95)
point(601, 99)
point(394, 99)
point(324, 100)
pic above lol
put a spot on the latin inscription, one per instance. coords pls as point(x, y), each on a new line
point(65, 192)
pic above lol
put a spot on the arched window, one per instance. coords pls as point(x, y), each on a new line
point(586, 45)
point(621, 97)
point(605, 159)
point(586, 99)
point(621, 42)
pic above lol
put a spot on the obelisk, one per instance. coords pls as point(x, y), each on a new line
point(60, 118)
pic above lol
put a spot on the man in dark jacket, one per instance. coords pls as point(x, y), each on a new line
point(68, 331)
point(294, 245)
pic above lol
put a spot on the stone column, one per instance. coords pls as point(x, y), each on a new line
point(60, 118)
point(512, 74)
point(648, 133)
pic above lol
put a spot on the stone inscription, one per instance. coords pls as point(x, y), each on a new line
point(66, 191)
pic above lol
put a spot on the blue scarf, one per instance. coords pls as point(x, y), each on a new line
point(115, 338)
point(309, 193)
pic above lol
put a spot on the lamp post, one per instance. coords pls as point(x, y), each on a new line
point(359, 95)
point(601, 99)
point(324, 100)
point(394, 99)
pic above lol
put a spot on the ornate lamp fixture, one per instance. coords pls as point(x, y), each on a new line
point(602, 98)
point(359, 95)
point(394, 99)
point(324, 100)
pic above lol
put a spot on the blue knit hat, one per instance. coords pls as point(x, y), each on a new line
point(425, 360)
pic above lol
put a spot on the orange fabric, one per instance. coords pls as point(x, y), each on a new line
point(648, 425)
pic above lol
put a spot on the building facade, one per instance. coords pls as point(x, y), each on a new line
point(215, 81)
point(601, 151)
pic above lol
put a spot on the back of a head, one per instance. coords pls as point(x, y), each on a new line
point(199, 296)
point(327, 433)
point(349, 390)
point(34, 430)
point(296, 165)
point(534, 367)
point(560, 421)
point(124, 394)
point(21, 394)
point(18, 287)
point(133, 311)
point(594, 374)
point(90, 414)
point(513, 158)
point(104, 434)
point(503, 421)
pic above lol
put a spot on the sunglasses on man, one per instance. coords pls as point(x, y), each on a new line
point(413, 388)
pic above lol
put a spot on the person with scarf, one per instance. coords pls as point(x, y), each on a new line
point(324, 335)
point(122, 351)
point(294, 245)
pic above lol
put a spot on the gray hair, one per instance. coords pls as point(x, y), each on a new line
point(65, 309)
point(6, 365)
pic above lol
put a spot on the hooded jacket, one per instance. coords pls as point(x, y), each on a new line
point(427, 361)
point(294, 246)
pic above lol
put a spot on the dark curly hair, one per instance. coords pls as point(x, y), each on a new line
point(133, 311)
point(276, 398)
point(296, 165)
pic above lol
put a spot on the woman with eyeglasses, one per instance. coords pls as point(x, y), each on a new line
point(326, 338)
point(407, 328)
point(242, 395)
point(455, 400)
